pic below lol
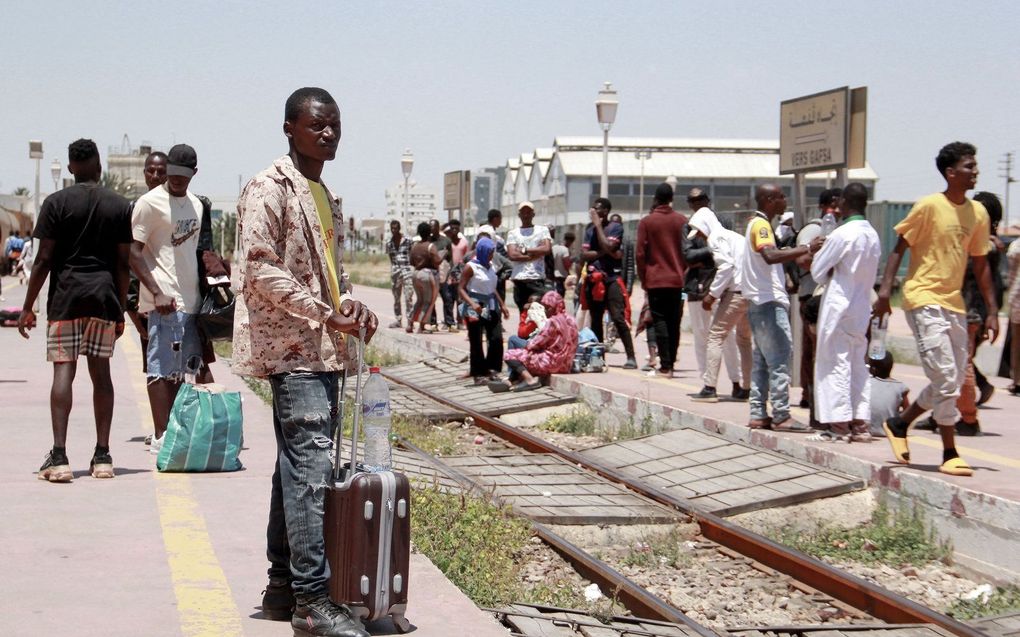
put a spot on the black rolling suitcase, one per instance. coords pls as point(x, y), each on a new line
point(368, 530)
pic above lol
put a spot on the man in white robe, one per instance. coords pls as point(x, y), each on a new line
point(846, 265)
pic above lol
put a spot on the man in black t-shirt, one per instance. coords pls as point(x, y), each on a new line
point(604, 287)
point(84, 234)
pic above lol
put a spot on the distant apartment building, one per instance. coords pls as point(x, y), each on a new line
point(422, 204)
point(127, 163)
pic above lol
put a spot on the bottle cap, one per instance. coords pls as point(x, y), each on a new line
point(373, 370)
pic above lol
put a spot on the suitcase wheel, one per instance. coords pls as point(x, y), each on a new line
point(401, 624)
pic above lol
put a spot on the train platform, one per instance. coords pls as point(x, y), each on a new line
point(174, 555)
point(980, 514)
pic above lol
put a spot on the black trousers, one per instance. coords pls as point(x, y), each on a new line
point(525, 288)
point(448, 292)
point(615, 302)
point(666, 305)
point(484, 363)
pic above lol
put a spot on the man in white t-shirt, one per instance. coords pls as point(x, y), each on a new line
point(164, 256)
point(526, 247)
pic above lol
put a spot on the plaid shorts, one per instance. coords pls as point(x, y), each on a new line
point(67, 340)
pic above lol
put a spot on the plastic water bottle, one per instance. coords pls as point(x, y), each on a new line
point(828, 224)
point(375, 410)
point(876, 348)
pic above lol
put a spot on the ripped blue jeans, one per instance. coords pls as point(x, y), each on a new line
point(304, 417)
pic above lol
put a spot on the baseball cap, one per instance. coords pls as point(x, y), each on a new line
point(525, 204)
point(181, 161)
point(696, 193)
point(486, 229)
point(786, 216)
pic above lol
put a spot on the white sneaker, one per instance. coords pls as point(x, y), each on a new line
point(156, 445)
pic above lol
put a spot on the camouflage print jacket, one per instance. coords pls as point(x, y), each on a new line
point(284, 300)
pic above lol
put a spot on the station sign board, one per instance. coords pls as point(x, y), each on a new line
point(814, 132)
point(456, 186)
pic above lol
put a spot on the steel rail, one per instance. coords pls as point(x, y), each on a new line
point(849, 589)
point(614, 584)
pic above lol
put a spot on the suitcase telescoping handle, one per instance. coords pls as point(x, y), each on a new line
point(356, 433)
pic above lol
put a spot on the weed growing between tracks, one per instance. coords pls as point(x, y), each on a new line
point(665, 549)
point(1002, 600)
point(473, 542)
point(893, 537)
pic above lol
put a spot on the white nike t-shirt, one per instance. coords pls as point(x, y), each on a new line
point(168, 226)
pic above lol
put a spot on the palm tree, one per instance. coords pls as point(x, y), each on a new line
point(21, 191)
point(117, 184)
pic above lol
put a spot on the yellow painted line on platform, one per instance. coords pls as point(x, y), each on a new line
point(968, 452)
point(204, 601)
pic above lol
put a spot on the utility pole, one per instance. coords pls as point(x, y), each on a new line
point(1006, 165)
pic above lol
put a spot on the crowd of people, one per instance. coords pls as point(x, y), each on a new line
point(296, 315)
point(737, 291)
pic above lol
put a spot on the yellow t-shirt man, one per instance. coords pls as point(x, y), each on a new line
point(941, 236)
point(328, 237)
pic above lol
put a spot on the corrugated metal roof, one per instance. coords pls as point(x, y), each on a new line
point(667, 143)
point(686, 165)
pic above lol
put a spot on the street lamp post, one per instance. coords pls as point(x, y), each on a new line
point(605, 108)
point(642, 155)
point(55, 172)
point(406, 164)
point(35, 151)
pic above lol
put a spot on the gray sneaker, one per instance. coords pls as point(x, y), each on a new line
point(320, 617)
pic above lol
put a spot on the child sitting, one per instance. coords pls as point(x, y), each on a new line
point(888, 395)
point(532, 319)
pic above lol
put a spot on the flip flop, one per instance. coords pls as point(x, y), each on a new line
point(498, 386)
point(522, 386)
point(791, 426)
point(900, 448)
point(762, 423)
point(956, 467)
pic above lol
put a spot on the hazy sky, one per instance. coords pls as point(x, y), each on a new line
point(468, 84)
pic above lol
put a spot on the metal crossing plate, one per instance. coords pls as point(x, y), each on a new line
point(719, 475)
point(550, 490)
point(443, 376)
point(850, 630)
point(525, 620)
point(1006, 625)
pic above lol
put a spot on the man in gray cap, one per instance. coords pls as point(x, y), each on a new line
point(165, 227)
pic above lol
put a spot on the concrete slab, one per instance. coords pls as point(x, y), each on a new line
point(147, 553)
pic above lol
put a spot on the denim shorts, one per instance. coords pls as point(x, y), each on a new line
point(175, 346)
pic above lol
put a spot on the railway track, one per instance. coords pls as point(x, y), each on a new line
point(808, 575)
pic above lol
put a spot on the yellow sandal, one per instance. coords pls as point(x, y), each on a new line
point(956, 467)
point(900, 448)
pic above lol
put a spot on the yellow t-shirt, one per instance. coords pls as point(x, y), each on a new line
point(328, 236)
point(941, 236)
point(761, 234)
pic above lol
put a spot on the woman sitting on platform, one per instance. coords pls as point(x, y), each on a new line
point(549, 351)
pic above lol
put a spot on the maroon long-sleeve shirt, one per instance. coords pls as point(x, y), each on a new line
point(660, 260)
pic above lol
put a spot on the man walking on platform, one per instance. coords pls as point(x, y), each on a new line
point(763, 283)
point(846, 265)
point(661, 267)
point(84, 237)
point(293, 318)
point(729, 321)
point(603, 288)
point(701, 271)
point(165, 225)
point(399, 249)
point(941, 230)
